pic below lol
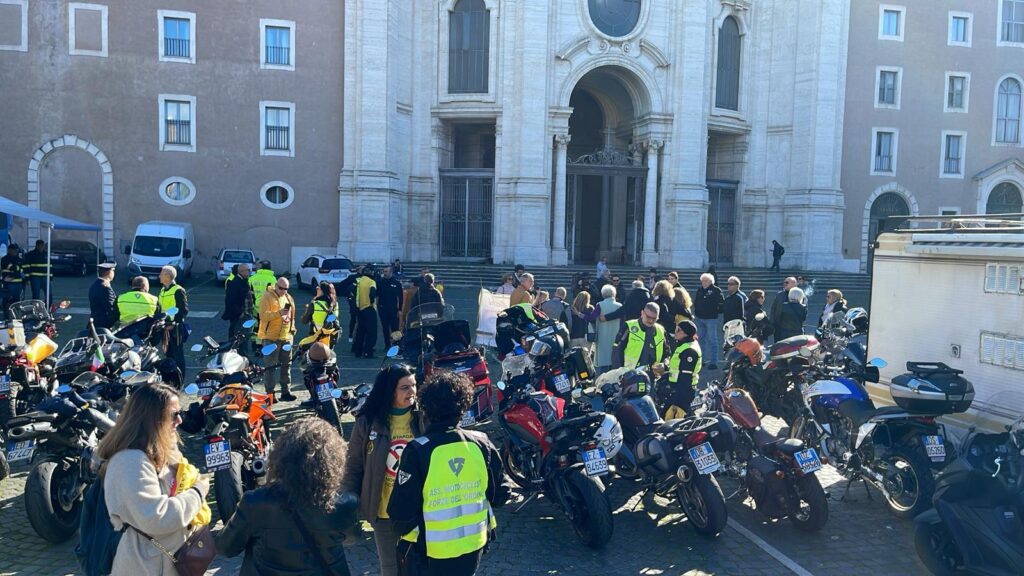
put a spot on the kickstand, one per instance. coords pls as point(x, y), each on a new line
point(867, 490)
point(525, 502)
point(846, 492)
point(640, 499)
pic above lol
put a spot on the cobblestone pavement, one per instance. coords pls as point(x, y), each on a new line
point(861, 536)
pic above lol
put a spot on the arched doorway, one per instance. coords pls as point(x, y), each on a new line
point(1005, 199)
point(606, 178)
point(881, 220)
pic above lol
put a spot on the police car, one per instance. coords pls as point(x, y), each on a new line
point(333, 269)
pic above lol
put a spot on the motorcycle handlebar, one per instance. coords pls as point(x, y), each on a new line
point(103, 424)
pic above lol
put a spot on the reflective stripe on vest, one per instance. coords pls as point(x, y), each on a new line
point(456, 513)
point(167, 297)
point(673, 363)
point(134, 305)
point(363, 287)
point(259, 282)
point(635, 345)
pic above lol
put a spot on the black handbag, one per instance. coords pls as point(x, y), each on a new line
point(194, 556)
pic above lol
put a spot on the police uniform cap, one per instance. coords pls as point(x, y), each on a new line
point(106, 266)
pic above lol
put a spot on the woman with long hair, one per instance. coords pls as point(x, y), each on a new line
point(297, 522)
point(582, 315)
point(682, 304)
point(324, 304)
point(662, 295)
point(387, 423)
point(139, 471)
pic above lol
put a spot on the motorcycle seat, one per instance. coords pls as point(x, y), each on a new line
point(790, 446)
point(212, 374)
point(765, 440)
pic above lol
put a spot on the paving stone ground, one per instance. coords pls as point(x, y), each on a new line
point(651, 537)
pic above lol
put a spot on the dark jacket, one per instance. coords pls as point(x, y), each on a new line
point(732, 308)
point(238, 299)
point(777, 250)
point(389, 294)
point(708, 302)
point(101, 304)
point(666, 316)
point(276, 547)
point(367, 462)
point(759, 329)
point(427, 294)
point(781, 297)
point(791, 322)
point(632, 307)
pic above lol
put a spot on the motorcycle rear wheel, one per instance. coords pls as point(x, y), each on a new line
point(813, 516)
point(5, 468)
point(329, 412)
point(53, 521)
point(591, 514)
point(228, 487)
point(913, 476)
point(9, 406)
point(936, 549)
point(704, 504)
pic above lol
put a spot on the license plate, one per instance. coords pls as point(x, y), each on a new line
point(561, 382)
point(808, 461)
point(468, 419)
point(218, 456)
point(704, 458)
point(595, 462)
point(935, 447)
point(205, 389)
point(5, 384)
point(18, 451)
point(323, 391)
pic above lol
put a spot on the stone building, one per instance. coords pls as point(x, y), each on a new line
point(935, 91)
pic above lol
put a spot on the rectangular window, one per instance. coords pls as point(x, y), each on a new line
point(177, 123)
point(891, 22)
point(14, 25)
point(87, 29)
point(277, 44)
point(960, 24)
point(952, 154)
point(958, 87)
point(885, 152)
point(277, 129)
point(887, 87)
point(177, 31)
point(1011, 22)
point(1002, 350)
point(1003, 278)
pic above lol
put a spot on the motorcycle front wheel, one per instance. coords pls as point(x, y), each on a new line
point(513, 466)
point(909, 483)
point(591, 514)
point(54, 519)
point(228, 487)
point(704, 504)
point(9, 406)
point(5, 468)
point(329, 412)
point(936, 549)
point(812, 513)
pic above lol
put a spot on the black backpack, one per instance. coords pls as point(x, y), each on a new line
point(98, 540)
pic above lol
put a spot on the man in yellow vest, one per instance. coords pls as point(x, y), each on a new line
point(133, 305)
point(683, 372)
point(365, 337)
point(448, 481)
point(640, 342)
point(174, 296)
point(260, 280)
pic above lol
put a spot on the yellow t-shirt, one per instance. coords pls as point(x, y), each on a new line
point(401, 434)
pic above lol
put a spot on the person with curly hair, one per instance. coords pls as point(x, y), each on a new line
point(448, 482)
point(297, 522)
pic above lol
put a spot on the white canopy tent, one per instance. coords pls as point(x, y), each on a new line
point(50, 222)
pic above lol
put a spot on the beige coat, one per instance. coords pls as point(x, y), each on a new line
point(137, 495)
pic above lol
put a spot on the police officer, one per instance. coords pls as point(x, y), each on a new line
point(13, 278)
point(36, 266)
point(389, 304)
point(366, 303)
point(137, 303)
point(262, 279)
point(174, 296)
point(447, 484)
point(102, 298)
point(640, 342)
point(683, 372)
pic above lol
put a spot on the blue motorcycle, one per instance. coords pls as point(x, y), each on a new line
point(892, 448)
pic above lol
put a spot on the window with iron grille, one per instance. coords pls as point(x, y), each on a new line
point(177, 38)
point(278, 46)
point(887, 86)
point(468, 47)
point(1012, 21)
point(177, 122)
point(884, 152)
point(955, 92)
point(278, 129)
point(953, 154)
point(1008, 111)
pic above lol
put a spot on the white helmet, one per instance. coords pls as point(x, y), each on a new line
point(609, 436)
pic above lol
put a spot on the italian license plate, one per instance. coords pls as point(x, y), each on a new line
point(205, 389)
point(935, 447)
point(218, 456)
point(18, 451)
point(469, 418)
point(323, 391)
point(595, 462)
point(808, 461)
point(561, 382)
point(5, 384)
point(704, 458)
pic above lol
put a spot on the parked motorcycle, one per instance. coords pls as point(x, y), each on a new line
point(320, 376)
point(25, 377)
point(977, 523)
point(889, 447)
point(222, 360)
point(778, 473)
point(36, 318)
point(675, 459)
point(148, 333)
point(774, 384)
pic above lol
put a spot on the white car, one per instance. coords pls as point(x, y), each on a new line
point(317, 268)
point(228, 257)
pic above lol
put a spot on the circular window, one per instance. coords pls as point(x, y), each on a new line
point(616, 18)
point(177, 191)
point(277, 195)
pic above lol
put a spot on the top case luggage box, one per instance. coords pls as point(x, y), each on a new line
point(932, 388)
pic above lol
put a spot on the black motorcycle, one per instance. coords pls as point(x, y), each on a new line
point(977, 524)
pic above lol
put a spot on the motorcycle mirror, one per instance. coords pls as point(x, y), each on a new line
point(191, 388)
point(268, 349)
point(335, 393)
point(878, 363)
point(248, 323)
point(196, 348)
point(392, 352)
point(331, 318)
point(63, 389)
point(577, 393)
point(287, 347)
point(128, 374)
point(501, 384)
point(171, 312)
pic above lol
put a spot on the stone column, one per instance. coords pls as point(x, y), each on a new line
point(650, 256)
point(559, 255)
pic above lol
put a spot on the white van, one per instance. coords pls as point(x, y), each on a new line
point(158, 244)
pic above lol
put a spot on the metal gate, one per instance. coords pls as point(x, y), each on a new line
point(614, 169)
point(467, 212)
point(721, 221)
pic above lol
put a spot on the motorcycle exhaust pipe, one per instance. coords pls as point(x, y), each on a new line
point(30, 430)
point(259, 466)
point(684, 473)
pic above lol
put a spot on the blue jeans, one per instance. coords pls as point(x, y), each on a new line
point(38, 287)
point(709, 333)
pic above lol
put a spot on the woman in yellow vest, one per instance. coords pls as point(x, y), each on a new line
point(683, 372)
point(324, 304)
point(448, 481)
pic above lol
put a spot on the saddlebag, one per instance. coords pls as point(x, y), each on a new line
point(766, 488)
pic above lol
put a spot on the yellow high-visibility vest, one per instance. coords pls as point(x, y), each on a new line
point(635, 345)
point(136, 304)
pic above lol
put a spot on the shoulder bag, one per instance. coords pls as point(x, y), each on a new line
point(194, 556)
